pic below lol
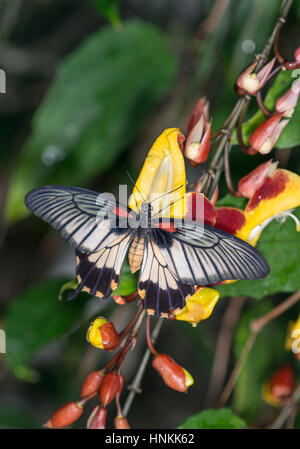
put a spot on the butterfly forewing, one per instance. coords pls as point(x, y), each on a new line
point(96, 227)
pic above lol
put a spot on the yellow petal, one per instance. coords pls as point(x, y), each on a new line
point(199, 306)
point(163, 171)
point(277, 194)
point(188, 378)
point(94, 334)
point(267, 395)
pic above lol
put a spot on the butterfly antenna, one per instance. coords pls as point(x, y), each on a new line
point(135, 185)
point(168, 205)
point(168, 193)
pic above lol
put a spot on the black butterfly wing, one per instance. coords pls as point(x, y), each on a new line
point(193, 254)
point(95, 225)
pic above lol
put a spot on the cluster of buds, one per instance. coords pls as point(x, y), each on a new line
point(265, 136)
point(107, 386)
point(250, 82)
point(197, 145)
point(280, 386)
point(103, 335)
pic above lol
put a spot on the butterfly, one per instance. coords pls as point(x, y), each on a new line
point(173, 256)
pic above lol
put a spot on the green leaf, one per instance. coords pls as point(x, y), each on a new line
point(128, 281)
point(291, 135)
point(109, 9)
point(14, 417)
point(100, 98)
point(36, 319)
point(231, 201)
point(222, 418)
point(280, 245)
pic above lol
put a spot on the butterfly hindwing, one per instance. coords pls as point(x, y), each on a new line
point(202, 255)
point(99, 273)
point(158, 286)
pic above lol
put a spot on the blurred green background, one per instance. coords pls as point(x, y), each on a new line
point(90, 85)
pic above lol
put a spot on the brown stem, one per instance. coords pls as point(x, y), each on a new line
point(135, 386)
point(286, 410)
point(148, 337)
point(237, 370)
point(223, 348)
point(259, 323)
point(256, 326)
point(261, 105)
point(227, 171)
point(276, 49)
point(245, 149)
point(132, 322)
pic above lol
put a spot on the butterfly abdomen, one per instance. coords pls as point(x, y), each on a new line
point(136, 252)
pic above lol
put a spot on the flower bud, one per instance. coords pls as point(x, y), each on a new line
point(287, 103)
point(121, 423)
point(174, 375)
point(125, 299)
point(97, 420)
point(266, 135)
point(65, 415)
point(251, 182)
point(250, 82)
point(102, 334)
point(279, 386)
point(91, 383)
point(199, 128)
point(201, 109)
point(292, 342)
point(297, 54)
point(109, 387)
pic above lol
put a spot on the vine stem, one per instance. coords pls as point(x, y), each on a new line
point(135, 386)
point(217, 162)
point(286, 410)
point(256, 326)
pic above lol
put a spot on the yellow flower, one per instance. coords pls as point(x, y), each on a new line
point(162, 172)
point(199, 306)
point(93, 335)
point(292, 342)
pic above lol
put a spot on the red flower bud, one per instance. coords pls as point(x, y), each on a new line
point(173, 374)
point(109, 387)
point(251, 182)
point(103, 335)
point(287, 103)
point(121, 423)
point(201, 109)
point(282, 382)
point(266, 135)
point(110, 337)
point(97, 419)
point(198, 142)
point(125, 299)
point(91, 383)
point(65, 415)
point(250, 82)
point(297, 54)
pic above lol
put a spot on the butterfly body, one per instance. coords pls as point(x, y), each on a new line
point(173, 256)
